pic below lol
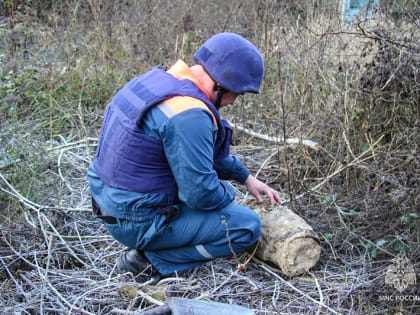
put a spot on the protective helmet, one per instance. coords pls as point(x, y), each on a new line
point(232, 61)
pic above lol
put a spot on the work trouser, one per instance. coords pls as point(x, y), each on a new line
point(190, 239)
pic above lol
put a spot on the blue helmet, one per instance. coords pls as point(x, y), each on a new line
point(232, 61)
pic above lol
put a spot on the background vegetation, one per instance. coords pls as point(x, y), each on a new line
point(354, 89)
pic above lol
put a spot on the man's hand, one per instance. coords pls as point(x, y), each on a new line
point(258, 188)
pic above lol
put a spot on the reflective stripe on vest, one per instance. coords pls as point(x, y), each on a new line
point(179, 104)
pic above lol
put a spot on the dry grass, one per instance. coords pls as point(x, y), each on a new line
point(354, 91)
point(62, 261)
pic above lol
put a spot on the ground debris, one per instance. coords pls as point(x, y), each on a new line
point(63, 261)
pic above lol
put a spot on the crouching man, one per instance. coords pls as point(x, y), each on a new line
point(158, 177)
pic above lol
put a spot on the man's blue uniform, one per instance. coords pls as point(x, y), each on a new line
point(194, 163)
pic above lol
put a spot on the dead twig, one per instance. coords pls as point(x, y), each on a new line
point(298, 290)
point(292, 141)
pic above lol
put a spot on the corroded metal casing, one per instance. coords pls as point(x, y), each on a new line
point(287, 241)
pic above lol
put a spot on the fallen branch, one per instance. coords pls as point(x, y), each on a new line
point(308, 143)
point(31, 204)
point(320, 303)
